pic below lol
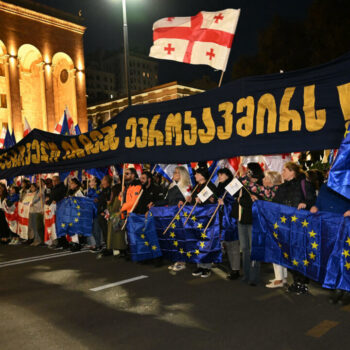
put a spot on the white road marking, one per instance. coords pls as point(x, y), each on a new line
point(38, 258)
point(110, 285)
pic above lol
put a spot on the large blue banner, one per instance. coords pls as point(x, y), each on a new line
point(253, 115)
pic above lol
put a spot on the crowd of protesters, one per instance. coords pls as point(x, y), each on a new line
point(116, 199)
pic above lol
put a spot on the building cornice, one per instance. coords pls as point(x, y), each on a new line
point(42, 18)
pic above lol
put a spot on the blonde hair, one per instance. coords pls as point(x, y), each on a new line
point(185, 181)
point(274, 176)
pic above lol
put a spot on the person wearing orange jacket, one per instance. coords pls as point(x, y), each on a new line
point(131, 191)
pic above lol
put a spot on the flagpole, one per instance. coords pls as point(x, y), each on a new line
point(221, 76)
point(179, 211)
point(216, 210)
point(211, 176)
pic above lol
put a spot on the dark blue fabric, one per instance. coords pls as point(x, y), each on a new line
point(331, 201)
point(339, 175)
point(308, 246)
point(75, 215)
point(142, 237)
point(338, 268)
point(217, 124)
point(98, 172)
point(189, 244)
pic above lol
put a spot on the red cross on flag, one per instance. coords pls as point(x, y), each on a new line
point(205, 38)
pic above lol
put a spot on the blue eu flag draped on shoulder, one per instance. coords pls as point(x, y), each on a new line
point(339, 175)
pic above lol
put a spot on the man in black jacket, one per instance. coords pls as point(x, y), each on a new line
point(58, 191)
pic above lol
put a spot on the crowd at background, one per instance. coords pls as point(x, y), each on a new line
point(115, 199)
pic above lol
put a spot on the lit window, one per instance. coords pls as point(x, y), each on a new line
point(143, 74)
point(3, 101)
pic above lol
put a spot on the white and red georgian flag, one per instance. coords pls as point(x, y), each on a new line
point(27, 128)
point(205, 38)
point(50, 223)
point(2, 136)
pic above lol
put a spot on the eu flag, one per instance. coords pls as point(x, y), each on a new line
point(339, 175)
point(74, 215)
point(338, 269)
point(294, 238)
point(142, 236)
point(189, 244)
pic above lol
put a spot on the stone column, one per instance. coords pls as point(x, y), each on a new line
point(49, 96)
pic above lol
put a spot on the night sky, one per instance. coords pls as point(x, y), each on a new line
point(103, 19)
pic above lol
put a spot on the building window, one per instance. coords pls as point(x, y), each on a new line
point(3, 101)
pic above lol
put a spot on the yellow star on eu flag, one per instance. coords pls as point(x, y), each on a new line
point(306, 262)
point(275, 226)
point(203, 235)
point(305, 223)
point(314, 245)
point(189, 254)
point(147, 243)
point(280, 245)
point(185, 214)
point(294, 218)
point(154, 247)
point(172, 234)
point(345, 253)
point(75, 201)
point(283, 219)
point(312, 256)
point(202, 244)
point(177, 217)
point(348, 241)
point(193, 218)
point(76, 219)
point(63, 225)
point(78, 206)
point(173, 225)
point(275, 235)
point(176, 243)
point(78, 213)
point(71, 224)
point(295, 263)
point(312, 234)
point(200, 225)
point(347, 265)
point(142, 236)
point(196, 251)
point(181, 251)
point(285, 255)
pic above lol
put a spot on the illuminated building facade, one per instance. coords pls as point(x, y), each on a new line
point(41, 66)
point(102, 112)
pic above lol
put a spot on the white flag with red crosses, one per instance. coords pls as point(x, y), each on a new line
point(205, 38)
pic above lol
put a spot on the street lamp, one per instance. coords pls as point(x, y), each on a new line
point(126, 52)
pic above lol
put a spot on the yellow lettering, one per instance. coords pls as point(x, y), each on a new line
point(245, 124)
point(224, 134)
point(21, 150)
point(29, 153)
point(266, 103)
point(288, 115)
point(314, 120)
point(95, 137)
point(69, 150)
point(190, 136)
point(344, 98)
point(110, 138)
point(131, 124)
point(54, 152)
point(36, 155)
point(206, 136)
point(141, 142)
point(77, 151)
point(153, 134)
point(173, 128)
point(86, 142)
point(43, 147)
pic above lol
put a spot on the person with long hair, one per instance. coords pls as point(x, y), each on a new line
point(296, 192)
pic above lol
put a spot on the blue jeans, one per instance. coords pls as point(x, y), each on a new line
point(251, 269)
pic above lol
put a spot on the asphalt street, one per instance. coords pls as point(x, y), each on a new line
point(59, 300)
